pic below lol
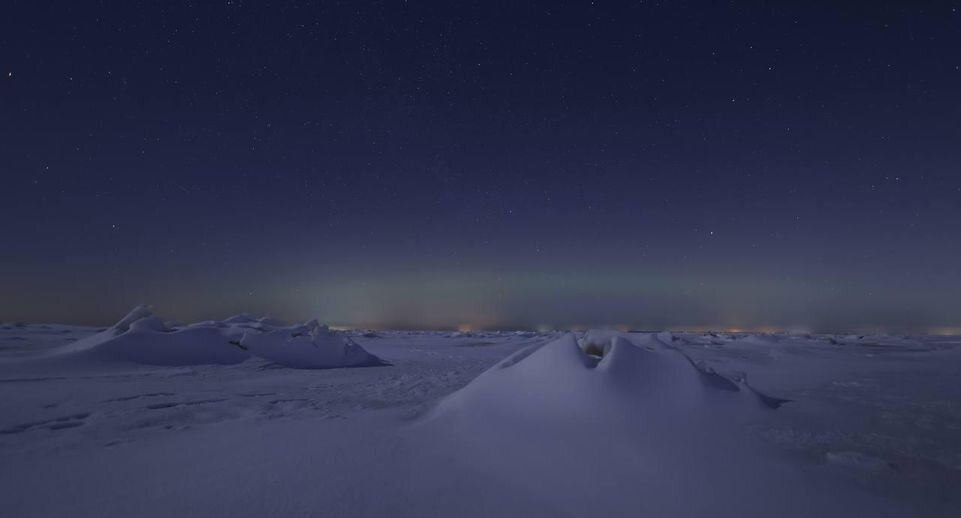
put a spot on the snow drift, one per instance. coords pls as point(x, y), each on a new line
point(191, 346)
point(560, 380)
point(143, 338)
point(643, 428)
point(310, 346)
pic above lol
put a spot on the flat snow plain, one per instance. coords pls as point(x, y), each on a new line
point(873, 429)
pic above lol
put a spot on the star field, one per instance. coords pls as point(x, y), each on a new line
point(436, 164)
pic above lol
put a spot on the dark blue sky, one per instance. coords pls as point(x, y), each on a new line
point(435, 164)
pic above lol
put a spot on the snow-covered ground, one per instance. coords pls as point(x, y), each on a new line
point(473, 424)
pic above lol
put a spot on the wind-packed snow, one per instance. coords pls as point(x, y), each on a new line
point(478, 424)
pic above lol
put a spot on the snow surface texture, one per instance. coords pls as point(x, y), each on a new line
point(483, 424)
point(143, 338)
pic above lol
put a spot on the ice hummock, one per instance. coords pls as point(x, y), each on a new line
point(140, 337)
point(310, 346)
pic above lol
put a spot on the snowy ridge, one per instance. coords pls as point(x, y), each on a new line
point(642, 425)
point(142, 338)
point(561, 375)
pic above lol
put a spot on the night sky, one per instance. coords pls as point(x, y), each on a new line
point(674, 164)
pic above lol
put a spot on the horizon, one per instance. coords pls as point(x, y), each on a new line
point(467, 327)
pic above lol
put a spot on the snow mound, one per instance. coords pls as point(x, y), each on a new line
point(122, 326)
point(641, 428)
point(142, 338)
point(310, 346)
point(191, 346)
point(560, 379)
